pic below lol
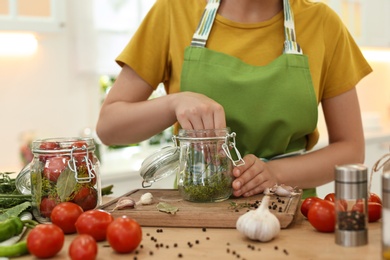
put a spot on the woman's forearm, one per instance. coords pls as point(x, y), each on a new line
point(317, 168)
point(124, 123)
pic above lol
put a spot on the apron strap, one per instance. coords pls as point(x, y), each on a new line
point(201, 34)
point(290, 44)
point(206, 23)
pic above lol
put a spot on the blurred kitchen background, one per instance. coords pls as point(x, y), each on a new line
point(57, 63)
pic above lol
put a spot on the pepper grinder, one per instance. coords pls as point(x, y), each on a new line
point(351, 192)
point(386, 212)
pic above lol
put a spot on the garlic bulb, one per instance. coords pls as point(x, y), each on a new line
point(259, 224)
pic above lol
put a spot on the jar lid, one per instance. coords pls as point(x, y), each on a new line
point(351, 173)
point(62, 144)
point(159, 165)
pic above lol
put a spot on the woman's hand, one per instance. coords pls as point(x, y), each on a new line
point(252, 178)
point(197, 111)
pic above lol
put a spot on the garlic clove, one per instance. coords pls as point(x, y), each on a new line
point(124, 202)
point(281, 190)
point(146, 199)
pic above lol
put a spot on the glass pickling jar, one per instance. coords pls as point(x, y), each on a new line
point(206, 164)
point(62, 169)
point(201, 162)
point(384, 163)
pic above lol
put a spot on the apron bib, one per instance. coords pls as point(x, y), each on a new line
point(272, 108)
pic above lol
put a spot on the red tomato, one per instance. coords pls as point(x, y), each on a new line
point(45, 240)
point(332, 197)
point(80, 144)
point(48, 146)
point(374, 198)
point(86, 197)
point(124, 234)
point(65, 215)
point(47, 205)
point(322, 216)
point(94, 223)
point(306, 204)
point(83, 247)
point(374, 210)
point(54, 166)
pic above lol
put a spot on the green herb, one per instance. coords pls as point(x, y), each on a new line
point(9, 195)
point(168, 208)
point(235, 206)
point(15, 211)
point(107, 190)
point(10, 200)
point(217, 186)
point(36, 182)
point(206, 177)
point(7, 184)
point(66, 184)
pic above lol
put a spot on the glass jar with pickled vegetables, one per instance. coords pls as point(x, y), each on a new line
point(62, 169)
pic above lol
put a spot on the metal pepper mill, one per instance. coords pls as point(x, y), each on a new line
point(386, 213)
point(351, 192)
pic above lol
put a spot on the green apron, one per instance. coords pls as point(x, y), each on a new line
point(271, 108)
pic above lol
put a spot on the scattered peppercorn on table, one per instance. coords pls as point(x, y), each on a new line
point(298, 241)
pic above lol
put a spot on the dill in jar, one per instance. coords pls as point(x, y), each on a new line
point(214, 188)
point(206, 179)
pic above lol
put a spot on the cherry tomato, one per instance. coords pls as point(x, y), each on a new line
point(322, 216)
point(45, 240)
point(49, 146)
point(374, 198)
point(94, 222)
point(374, 210)
point(54, 166)
point(80, 144)
point(65, 215)
point(124, 234)
point(332, 197)
point(86, 197)
point(47, 205)
point(83, 247)
point(306, 204)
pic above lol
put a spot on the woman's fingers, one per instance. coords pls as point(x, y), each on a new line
point(196, 111)
point(251, 178)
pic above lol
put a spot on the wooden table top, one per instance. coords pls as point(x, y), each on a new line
point(298, 241)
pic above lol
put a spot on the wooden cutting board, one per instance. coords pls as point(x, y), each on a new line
point(192, 214)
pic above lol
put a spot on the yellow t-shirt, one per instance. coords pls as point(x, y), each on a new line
point(156, 51)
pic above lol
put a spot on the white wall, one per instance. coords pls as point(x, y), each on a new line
point(55, 92)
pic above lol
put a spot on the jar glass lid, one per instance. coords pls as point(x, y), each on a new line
point(159, 165)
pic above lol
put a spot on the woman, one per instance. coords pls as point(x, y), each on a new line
point(260, 67)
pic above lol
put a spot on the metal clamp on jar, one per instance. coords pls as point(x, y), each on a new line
point(351, 205)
